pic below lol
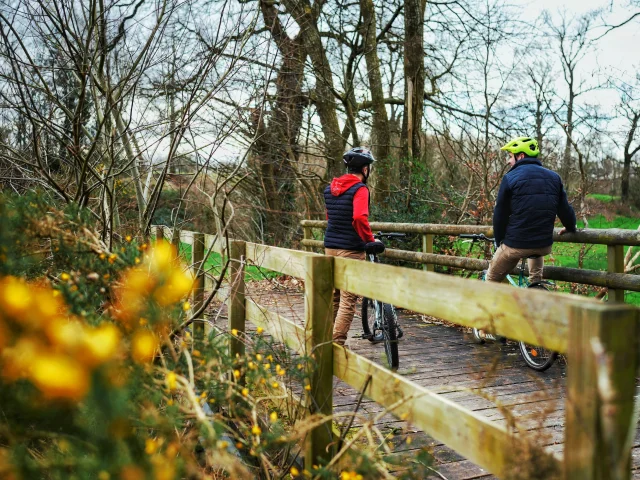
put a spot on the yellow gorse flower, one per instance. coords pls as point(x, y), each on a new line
point(59, 376)
point(48, 346)
point(150, 446)
point(160, 279)
point(171, 381)
point(350, 476)
point(100, 344)
point(15, 296)
point(143, 346)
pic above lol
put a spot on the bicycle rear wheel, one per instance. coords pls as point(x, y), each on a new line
point(368, 314)
point(389, 332)
point(535, 356)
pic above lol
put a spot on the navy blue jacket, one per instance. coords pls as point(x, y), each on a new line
point(529, 199)
point(340, 232)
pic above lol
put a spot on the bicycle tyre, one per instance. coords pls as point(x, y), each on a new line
point(536, 357)
point(475, 332)
point(389, 333)
point(368, 310)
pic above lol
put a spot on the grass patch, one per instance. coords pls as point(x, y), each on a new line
point(603, 197)
point(595, 258)
point(600, 221)
point(213, 265)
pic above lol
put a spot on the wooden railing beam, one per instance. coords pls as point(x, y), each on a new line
point(609, 236)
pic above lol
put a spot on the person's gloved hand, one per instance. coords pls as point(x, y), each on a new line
point(376, 247)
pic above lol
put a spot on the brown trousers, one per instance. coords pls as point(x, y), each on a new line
point(506, 259)
point(344, 303)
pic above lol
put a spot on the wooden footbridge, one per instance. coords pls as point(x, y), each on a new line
point(478, 407)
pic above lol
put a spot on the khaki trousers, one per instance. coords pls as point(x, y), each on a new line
point(506, 259)
point(344, 303)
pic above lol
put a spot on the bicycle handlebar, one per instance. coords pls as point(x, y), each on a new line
point(476, 236)
point(389, 235)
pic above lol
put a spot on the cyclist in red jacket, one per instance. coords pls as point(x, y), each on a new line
point(348, 232)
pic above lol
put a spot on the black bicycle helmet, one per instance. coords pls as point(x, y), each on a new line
point(358, 157)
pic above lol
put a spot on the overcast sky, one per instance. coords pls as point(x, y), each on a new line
point(619, 49)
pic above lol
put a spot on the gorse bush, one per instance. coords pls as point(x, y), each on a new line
point(99, 379)
point(94, 384)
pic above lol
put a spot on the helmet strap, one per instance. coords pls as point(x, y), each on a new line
point(366, 175)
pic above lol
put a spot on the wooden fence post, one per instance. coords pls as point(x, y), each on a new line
point(319, 331)
point(603, 359)
point(427, 247)
point(307, 235)
point(197, 257)
point(615, 260)
point(175, 238)
point(163, 233)
point(236, 302)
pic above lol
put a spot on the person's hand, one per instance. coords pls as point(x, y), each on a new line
point(376, 247)
point(564, 230)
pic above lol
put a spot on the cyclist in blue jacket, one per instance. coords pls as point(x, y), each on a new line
point(529, 199)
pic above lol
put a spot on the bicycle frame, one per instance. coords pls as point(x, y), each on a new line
point(522, 281)
point(372, 257)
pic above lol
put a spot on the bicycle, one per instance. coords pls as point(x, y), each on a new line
point(380, 320)
point(536, 357)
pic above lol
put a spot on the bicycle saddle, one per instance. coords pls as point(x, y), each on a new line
point(535, 256)
point(374, 247)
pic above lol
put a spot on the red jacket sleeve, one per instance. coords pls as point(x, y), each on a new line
point(361, 215)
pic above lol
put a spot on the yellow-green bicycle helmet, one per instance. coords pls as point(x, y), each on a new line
point(526, 145)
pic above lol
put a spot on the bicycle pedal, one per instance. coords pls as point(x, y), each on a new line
point(495, 338)
point(377, 338)
point(366, 336)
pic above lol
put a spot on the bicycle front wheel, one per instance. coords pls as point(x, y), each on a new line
point(535, 356)
point(390, 334)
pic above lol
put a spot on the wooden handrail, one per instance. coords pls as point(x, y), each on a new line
point(608, 236)
point(622, 281)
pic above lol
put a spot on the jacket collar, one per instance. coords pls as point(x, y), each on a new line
point(526, 161)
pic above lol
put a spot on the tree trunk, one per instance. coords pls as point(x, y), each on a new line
point(414, 74)
point(566, 157)
point(306, 16)
point(539, 119)
point(628, 155)
point(380, 134)
point(626, 171)
point(276, 151)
